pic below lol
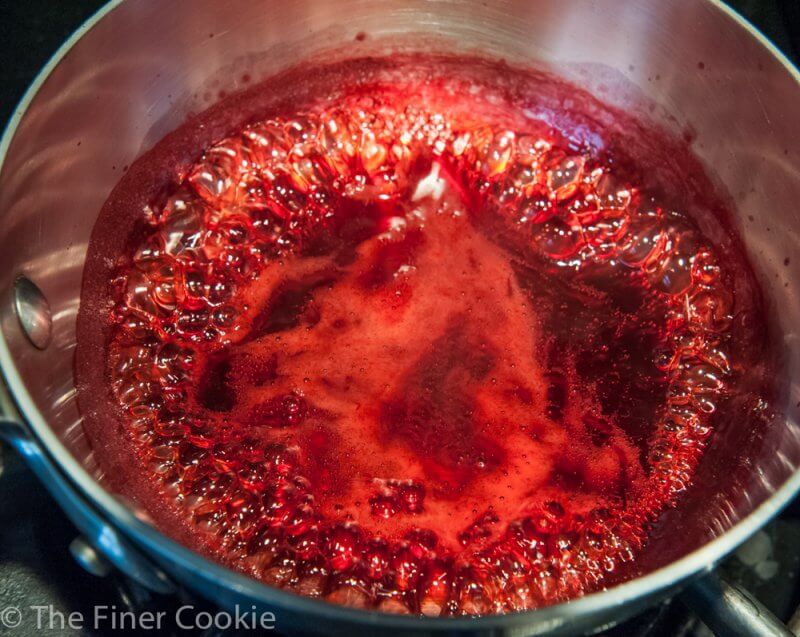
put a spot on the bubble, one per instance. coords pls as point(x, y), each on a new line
point(194, 285)
point(471, 598)
point(311, 586)
point(192, 321)
point(705, 269)
point(373, 156)
point(531, 149)
point(349, 596)
point(311, 170)
point(536, 207)
point(264, 145)
point(498, 153)
point(139, 294)
point(182, 224)
point(224, 316)
point(709, 309)
point(644, 240)
point(563, 176)
point(523, 179)
point(344, 546)
point(611, 194)
point(134, 359)
point(671, 271)
point(337, 138)
point(136, 327)
point(431, 607)
point(151, 249)
point(557, 239)
point(674, 276)
point(283, 192)
point(300, 129)
point(165, 294)
point(216, 179)
point(219, 291)
point(604, 232)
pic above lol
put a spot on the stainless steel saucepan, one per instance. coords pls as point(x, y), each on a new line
point(134, 71)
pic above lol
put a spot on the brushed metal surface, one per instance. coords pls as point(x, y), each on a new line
point(133, 73)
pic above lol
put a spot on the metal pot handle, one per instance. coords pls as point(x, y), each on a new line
point(728, 609)
point(105, 538)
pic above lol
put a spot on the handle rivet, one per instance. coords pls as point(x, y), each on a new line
point(33, 312)
point(89, 559)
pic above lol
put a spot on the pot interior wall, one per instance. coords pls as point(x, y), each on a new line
point(139, 71)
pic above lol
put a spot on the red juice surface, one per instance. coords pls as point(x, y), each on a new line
point(426, 337)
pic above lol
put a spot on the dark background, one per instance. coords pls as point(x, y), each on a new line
point(35, 565)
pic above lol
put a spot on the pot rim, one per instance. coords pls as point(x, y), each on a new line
point(547, 618)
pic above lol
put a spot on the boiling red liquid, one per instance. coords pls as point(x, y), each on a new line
point(412, 348)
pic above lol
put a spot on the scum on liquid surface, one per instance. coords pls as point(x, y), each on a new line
point(338, 353)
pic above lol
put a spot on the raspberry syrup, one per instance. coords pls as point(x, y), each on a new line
point(411, 346)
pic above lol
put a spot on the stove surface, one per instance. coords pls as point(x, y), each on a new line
point(36, 567)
